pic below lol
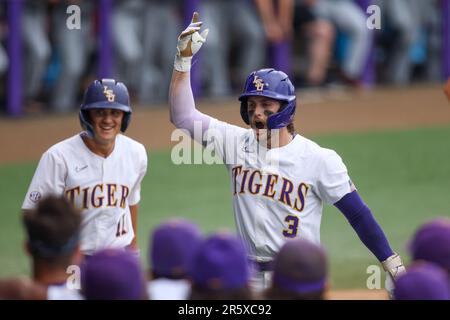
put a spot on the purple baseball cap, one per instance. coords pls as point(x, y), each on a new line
point(423, 281)
point(221, 263)
point(172, 247)
point(300, 267)
point(431, 242)
point(112, 274)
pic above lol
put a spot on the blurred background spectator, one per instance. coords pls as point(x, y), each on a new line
point(349, 21)
point(162, 24)
point(315, 35)
point(235, 34)
point(72, 49)
point(127, 31)
point(317, 42)
point(36, 50)
point(412, 35)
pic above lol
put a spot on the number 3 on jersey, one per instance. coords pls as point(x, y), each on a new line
point(121, 227)
point(292, 228)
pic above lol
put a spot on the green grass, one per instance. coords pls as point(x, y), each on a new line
point(403, 176)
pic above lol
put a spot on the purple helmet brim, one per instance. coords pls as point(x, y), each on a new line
point(107, 105)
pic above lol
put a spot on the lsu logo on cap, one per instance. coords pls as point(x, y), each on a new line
point(109, 94)
point(259, 83)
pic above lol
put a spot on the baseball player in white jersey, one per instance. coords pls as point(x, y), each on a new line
point(99, 170)
point(279, 179)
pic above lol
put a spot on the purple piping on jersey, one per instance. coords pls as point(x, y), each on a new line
point(365, 225)
point(290, 284)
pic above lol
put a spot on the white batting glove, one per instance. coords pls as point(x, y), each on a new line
point(394, 267)
point(189, 42)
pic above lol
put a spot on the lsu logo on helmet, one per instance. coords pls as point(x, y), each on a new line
point(259, 83)
point(109, 94)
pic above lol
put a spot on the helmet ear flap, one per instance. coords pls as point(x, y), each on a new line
point(125, 121)
point(244, 111)
point(283, 117)
point(85, 124)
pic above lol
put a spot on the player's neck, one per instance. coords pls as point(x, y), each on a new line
point(285, 137)
point(103, 149)
point(278, 138)
point(48, 274)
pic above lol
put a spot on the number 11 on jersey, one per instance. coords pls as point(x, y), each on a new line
point(121, 227)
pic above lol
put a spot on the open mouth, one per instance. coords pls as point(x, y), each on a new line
point(259, 125)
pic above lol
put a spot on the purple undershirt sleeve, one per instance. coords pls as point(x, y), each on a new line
point(365, 225)
point(183, 113)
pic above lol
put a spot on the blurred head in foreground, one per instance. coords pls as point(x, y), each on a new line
point(220, 269)
point(300, 272)
point(423, 281)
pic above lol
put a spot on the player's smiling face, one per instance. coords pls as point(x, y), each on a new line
point(259, 109)
point(106, 124)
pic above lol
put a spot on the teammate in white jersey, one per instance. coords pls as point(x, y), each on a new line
point(279, 179)
point(99, 170)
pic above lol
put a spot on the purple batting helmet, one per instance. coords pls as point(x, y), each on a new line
point(431, 242)
point(112, 274)
point(423, 281)
point(221, 263)
point(272, 84)
point(173, 244)
point(105, 94)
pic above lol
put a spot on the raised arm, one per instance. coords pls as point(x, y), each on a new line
point(183, 113)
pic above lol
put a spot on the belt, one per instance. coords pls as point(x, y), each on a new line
point(262, 266)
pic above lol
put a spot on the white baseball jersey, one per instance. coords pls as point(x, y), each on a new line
point(278, 193)
point(62, 292)
point(168, 289)
point(103, 188)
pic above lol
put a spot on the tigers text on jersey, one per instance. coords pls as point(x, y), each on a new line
point(278, 194)
point(103, 188)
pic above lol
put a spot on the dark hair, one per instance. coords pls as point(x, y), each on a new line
point(290, 128)
point(52, 229)
point(276, 293)
point(200, 293)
